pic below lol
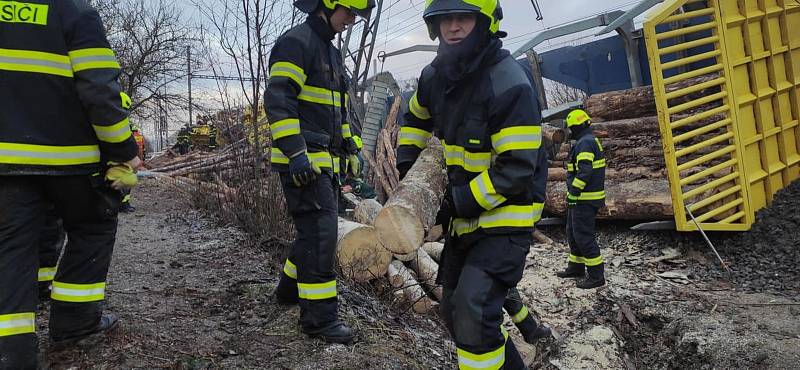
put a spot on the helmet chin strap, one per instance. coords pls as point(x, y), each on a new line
point(328, 15)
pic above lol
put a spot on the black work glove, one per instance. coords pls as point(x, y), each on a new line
point(303, 172)
point(350, 146)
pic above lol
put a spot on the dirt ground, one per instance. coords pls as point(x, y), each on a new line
point(194, 294)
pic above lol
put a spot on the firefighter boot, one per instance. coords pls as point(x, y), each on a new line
point(595, 277)
point(532, 331)
point(573, 270)
point(108, 323)
point(337, 332)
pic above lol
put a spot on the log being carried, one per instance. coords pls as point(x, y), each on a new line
point(411, 211)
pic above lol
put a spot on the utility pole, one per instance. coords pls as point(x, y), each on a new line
point(189, 80)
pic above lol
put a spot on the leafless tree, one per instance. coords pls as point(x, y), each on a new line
point(244, 32)
point(150, 39)
point(558, 93)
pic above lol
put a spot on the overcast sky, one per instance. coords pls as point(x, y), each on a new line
point(401, 26)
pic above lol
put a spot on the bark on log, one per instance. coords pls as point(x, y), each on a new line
point(411, 211)
point(427, 269)
point(400, 277)
point(434, 234)
point(643, 199)
point(540, 238)
point(366, 211)
point(434, 249)
point(360, 255)
point(640, 101)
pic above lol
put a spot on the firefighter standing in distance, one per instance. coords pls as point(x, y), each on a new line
point(306, 104)
point(481, 105)
point(586, 172)
point(75, 155)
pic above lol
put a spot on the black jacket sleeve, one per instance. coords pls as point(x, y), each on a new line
point(287, 66)
point(96, 72)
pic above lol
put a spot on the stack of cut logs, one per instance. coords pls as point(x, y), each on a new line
point(625, 121)
point(390, 240)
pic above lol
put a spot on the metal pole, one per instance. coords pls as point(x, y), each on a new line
point(189, 80)
point(724, 265)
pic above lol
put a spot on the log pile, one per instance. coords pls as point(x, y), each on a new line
point(637, 185)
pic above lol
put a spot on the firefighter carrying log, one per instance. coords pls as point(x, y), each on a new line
point(479, 102)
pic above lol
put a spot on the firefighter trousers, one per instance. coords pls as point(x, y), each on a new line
point(308, 273)
point(520, 315)
point(89, 212)
point(477, 278)
point(583, 246)
point(50, 245)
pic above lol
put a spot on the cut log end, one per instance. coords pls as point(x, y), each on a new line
point(400, 231)
point(361, 256)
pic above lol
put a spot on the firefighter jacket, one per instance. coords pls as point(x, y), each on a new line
point(306, 100)
point(489, 124)
point(184, 136)
point(586, 170)
point(61, 112)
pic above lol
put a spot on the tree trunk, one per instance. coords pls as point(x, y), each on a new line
point(411, 211)
point(427, 269)
point(643, 199)
point(360, 254)
point(640, 101)
point(366, 211)
point(400, 277)
point(434, 249)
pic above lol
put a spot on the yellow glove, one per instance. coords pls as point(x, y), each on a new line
point(121, 176)
point(354, 165)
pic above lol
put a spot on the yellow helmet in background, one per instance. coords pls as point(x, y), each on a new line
point(577, 117)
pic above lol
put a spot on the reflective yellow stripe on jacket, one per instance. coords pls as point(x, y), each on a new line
point(115, 133)
point(484, 192)
point(321, 159)
point(320, 95)
point(517, 138)
point(35, 62)
point(418, 110)
point(284, 128)
point(600, 163)
point(505, 216)
point(455, 155)
point(413, 136)
point(289, 70)
point(13, 153)
point(93, 58)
